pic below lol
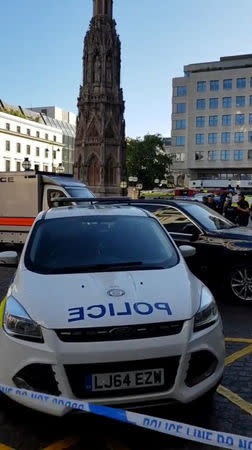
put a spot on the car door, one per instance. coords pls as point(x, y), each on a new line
point(184, 232)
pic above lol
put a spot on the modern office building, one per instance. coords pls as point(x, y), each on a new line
point(65, 121)
point(212, 120)
point(24, 134)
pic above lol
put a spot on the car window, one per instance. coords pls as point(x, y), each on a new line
point(208, 218)
point(80, 192)
point(99, 243)
point(171, 218)
point(53, 194)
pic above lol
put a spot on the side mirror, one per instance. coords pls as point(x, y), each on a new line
point(192, 230)
point(187, 250)
point(9, 259)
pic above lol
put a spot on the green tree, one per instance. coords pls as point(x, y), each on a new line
point(147, 160)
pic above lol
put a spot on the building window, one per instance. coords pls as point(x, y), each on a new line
point(225, 155)
point(180, 107)
point(18, 147)
point(201, 86)
point(37, 151)
point(198, 156)
point(239, 137)
point(214, 85)
point(181, 91)
point(250, 118)
point(28, 149)
point(241, 83)
point(249, 154)
point(200, 121)
point(18, 129)
point(201, 103)
point(180, 124)
point(240, 119)
point(240, 101)
point(55, 138)
point(227, 102)
point(28, 131)
point(7, 165)
point(54, 154)
point(225, 138)
point(213, 103)
point(213, 121)
point(7, 146)
point(179, 140)
point(212, 155)
point(251, 82)
point(46, 153)
point(45, 168)
point(36, 167)
point(37, 134)
point(18, 166)
point(212, 138)
point(200, 139)
point(238, 155)
point(227, 84)
point(46, 136)
point(250, 100)
point(226, 120)
point(250, 136)
point(7, 125)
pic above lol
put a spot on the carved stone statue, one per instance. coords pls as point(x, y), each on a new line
point(109, 70)
point(97, 69)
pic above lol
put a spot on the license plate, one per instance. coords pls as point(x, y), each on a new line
point(124, 380)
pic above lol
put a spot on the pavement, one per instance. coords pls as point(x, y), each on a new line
point(230, 411)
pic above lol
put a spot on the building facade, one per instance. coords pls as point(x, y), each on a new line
point(212, 120)
point(100, 150)
point(65, 121)
point(23, 134)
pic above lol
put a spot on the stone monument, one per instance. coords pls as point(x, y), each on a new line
point(100, 149)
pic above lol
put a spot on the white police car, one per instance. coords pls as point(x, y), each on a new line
point(104, 308)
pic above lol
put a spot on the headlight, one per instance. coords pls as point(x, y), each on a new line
point(17, 322)
point(208, 313)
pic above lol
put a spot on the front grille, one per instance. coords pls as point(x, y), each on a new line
point(77, 374)
point(37, 377)
point(201, 366)
point(120, 333)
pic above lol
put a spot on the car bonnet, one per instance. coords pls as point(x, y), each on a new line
point(110, 298)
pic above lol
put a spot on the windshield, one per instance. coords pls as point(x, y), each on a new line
point(99, 244)
point(209, 219)
point(80, 192)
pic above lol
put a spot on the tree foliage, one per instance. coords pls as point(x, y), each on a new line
point(147, 160)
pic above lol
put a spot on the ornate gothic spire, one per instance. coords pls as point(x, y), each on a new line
point(100, 150)
point(103, 8)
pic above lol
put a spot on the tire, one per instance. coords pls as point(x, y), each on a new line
point(240, 284)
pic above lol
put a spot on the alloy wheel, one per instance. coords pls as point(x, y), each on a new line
point(241, 283)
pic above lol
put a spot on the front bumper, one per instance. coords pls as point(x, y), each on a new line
point(193, 363)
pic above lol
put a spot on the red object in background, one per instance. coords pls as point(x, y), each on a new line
point(182, 192)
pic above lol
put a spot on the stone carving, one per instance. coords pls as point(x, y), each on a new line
point(97, 69)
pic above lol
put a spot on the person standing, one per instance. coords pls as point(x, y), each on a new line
point(242, 211)
point(229, 212)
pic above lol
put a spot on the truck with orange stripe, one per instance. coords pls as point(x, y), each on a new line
point(24, 194)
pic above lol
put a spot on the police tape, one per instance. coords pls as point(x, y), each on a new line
point(169, 427)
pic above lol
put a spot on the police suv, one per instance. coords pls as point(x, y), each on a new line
point(104, 308)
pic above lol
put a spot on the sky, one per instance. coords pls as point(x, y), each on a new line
point(41, 45)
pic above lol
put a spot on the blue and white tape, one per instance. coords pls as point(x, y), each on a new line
point(170, 427)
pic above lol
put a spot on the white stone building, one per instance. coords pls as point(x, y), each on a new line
point(212, 119)
point(22, 138)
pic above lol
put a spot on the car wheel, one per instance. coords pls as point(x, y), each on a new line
point(240, 283)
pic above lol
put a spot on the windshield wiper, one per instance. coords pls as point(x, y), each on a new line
point(105, 267)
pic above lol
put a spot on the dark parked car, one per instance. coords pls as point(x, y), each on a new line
point(224, 250)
